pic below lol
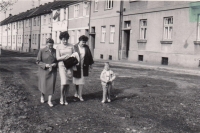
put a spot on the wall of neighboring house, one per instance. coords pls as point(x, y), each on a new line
point(106, 24)
point(46, 27)
point(4, 36)
point(20, 31)
point(59, 24)
point(179, 49)
point(27, 35)
point(35, 33)
point(14, 35)
point(78, 21)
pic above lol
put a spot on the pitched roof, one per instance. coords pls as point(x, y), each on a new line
point(42, 9)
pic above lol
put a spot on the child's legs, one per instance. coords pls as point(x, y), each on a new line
point(108, 90)
point(76, 89)
point(104, 92)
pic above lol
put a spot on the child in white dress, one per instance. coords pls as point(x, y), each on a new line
point(107, 77)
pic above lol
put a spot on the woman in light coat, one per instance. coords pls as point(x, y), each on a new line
point(46, 60)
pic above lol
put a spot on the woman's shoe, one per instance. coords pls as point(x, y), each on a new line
point(81, 99)
point(42, 100)
point(109, 100)
point(50, 104)
point(66, 103)
point(76, 95)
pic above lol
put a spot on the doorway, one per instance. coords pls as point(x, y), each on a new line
point(126, 43)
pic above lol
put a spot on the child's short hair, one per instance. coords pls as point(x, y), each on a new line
point(107, 63)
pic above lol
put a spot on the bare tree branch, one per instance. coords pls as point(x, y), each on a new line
point(4, 4)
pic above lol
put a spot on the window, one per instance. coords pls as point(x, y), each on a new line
point(72, 37)
point(49, 19)
point(29, 22)
point(96, 5)
point(26, 23)
point(109, 4)
point(85, 8)
point(103, 33)
point(35, 38)
point(112, 33)
point(127, 24)
point(13, 26)
point(58, 15)
point(143, 29)
point(164, 61)
point(43, 40)
point(34, 22)
point(168, 27)
point(38, 21)
point(65, 14)
point(56, 37)
point(198, 28)
point(44, 19)
point(76, 11)
point(140, 57)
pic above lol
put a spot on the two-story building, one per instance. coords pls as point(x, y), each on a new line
point(59, 21)
point(78, 20)
point(104, 29)
point(160, 32)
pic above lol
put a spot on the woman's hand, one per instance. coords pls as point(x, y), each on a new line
point(53, 65)
point(47, 65)
point(66, 57)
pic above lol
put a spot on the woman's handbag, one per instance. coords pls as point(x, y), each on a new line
point(70, 62)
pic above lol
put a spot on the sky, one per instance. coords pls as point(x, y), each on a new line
point(21, 6)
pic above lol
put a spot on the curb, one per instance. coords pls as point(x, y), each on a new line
point(152, 67)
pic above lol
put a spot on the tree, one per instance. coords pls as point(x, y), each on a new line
point(4, 4)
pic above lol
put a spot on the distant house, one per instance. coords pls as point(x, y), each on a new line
point(78, 20)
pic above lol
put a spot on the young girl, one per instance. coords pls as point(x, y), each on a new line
point(107, 77)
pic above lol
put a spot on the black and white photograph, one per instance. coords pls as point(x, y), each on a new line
point(99, 66)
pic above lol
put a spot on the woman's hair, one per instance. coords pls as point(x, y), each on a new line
point(64, 34)
point(83, 38)
point(49, 40)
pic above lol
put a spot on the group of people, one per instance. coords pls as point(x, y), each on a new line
point(49, 60)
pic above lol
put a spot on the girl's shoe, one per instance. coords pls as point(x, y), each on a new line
point(61, 102)
point(81, 99)
point(109, 100)
point(103, 101)
point(50, 104)
point(42, 100)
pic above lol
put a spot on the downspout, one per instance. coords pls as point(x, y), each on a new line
point(39, 37)
point(120, 30)
point(90, 45)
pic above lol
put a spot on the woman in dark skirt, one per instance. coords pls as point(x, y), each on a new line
point(86, 61)
point(47, 63)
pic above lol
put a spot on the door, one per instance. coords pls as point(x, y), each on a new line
point(126, 43)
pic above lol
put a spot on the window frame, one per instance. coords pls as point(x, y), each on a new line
point(107, 4)
point(103, 36)
point(143, 33)
point(167, 34)
point(96, 3)
point(112, 32)
point(76, 11)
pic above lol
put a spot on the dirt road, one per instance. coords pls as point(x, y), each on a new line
point(144, 101)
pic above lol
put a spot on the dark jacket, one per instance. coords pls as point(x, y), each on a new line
point(88, 60)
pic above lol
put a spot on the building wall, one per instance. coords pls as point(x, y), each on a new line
point(27, 35)
point(59, 25)
point(9, 30)
point(14, 35)
point(20, 36)
point(1, 28)
point(78, 25)
point(4, 36)
point(100, 18)
point(35, 33)
point(181, 52)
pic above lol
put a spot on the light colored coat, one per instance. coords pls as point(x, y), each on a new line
point(47, 79)
point(107, 76)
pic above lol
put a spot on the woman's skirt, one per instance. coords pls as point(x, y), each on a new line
point(65, 74)
point(79, 81)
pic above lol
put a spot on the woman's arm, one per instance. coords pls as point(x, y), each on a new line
point(39, 61)
point(59, 57)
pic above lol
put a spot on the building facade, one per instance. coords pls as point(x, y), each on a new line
point(104, 29)
point(78, 20)
point(159, 32)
